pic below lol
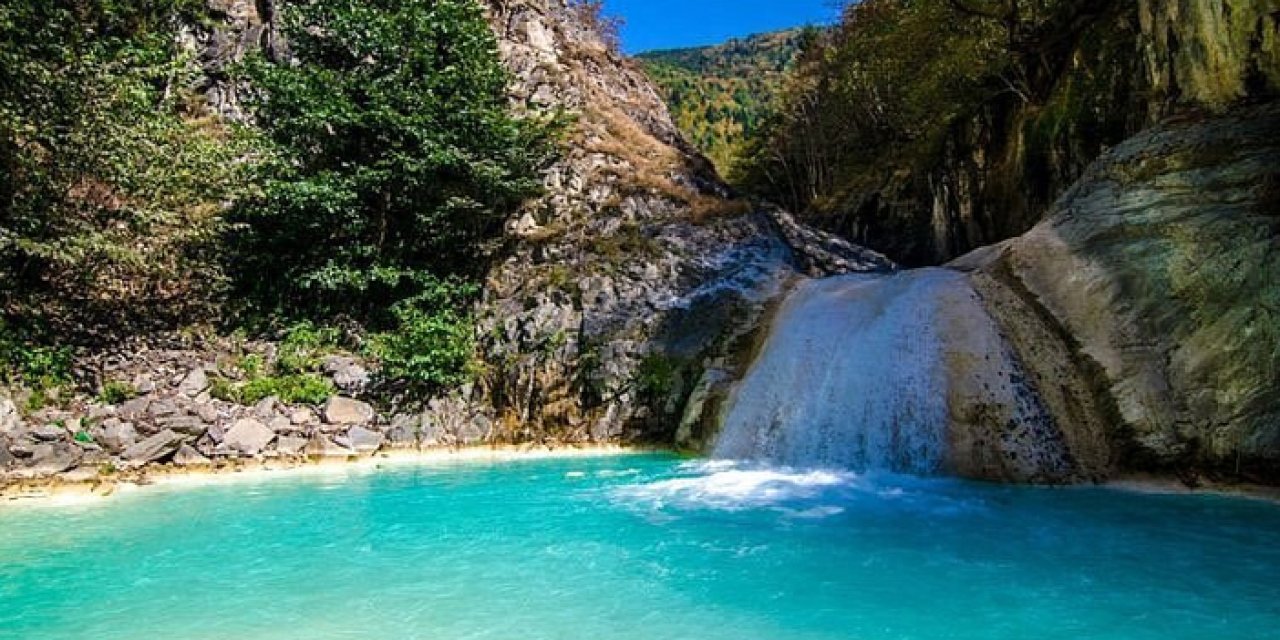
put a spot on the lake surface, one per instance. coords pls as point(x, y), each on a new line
point(647, 547)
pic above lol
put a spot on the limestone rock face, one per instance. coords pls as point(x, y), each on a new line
point(1155, 283)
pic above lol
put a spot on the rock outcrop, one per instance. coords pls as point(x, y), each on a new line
point(1149, 300)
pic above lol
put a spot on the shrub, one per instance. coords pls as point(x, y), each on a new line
point(304, 388)
point(116, 392)
point(430, 348)
point(304, 346)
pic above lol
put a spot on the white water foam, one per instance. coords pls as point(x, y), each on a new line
point(725, 486)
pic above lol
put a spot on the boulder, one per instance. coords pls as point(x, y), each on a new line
point(303, 416)
point(340, 410)
point(48, 459)
point(266, 407)
point(135, 409)
point(322, 447)
point(153, 449)
point(248, 436)
point(346, 372)
point(1153, 288)
point(22, 449)
point(6, 458)
point(162, 408)
point(206, 411)
point(365, 440)
point(194, 383)
point(115, 436)
point(187, 456)
point(404, 431)
point(291, 445)
point(186, 425)
point(48, 433)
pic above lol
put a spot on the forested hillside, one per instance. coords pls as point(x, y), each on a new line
point(360, 179)
point(720, 94)
point(927, 142)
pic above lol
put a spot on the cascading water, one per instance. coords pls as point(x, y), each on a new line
point(904, 373)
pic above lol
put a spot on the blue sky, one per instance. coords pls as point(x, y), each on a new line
point(665, 24)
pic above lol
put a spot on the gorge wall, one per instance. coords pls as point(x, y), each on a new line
point(1151, 292)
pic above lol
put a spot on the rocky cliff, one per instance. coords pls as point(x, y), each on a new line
point(1146, 303)
point(628, 285)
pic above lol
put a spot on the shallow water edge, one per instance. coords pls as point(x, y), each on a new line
point(59, 491)
point(53, 492)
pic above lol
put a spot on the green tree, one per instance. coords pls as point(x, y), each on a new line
point(394, 160)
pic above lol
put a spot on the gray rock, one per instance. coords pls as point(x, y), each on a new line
point(281, 424)
point(364, 440)
point(322, 447)
point(144, 384)
point(98, 413)
point(404, 431)
point(206, 445)
point(162, 408)
point(153, 449)
point(291, 445)
point(216, 432)
point(194, 383)
point(22, 450)
point(248, 436)
point(48, 433)
point(187, 456)
point(346, 373)
point(10, 417)
point(206, 411)
point(135, 409)
point(6, 458)
point(186, 425)
point(303, 416)
point(340, 410)
point(266, 407)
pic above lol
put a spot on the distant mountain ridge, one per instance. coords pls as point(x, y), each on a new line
point(718, 94)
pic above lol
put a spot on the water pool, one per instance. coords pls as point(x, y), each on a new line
point(639, 547)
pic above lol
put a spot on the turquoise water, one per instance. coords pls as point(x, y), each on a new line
point(639, 547)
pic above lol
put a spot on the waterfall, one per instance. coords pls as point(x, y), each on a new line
point(873, 372)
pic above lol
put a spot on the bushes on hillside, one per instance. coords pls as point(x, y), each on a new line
point(370, 189)
point(110, 178)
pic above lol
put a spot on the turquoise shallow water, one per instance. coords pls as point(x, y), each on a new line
point(639, 547)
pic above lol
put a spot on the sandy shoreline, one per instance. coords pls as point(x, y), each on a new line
point(63, 492)
point(59, 492)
